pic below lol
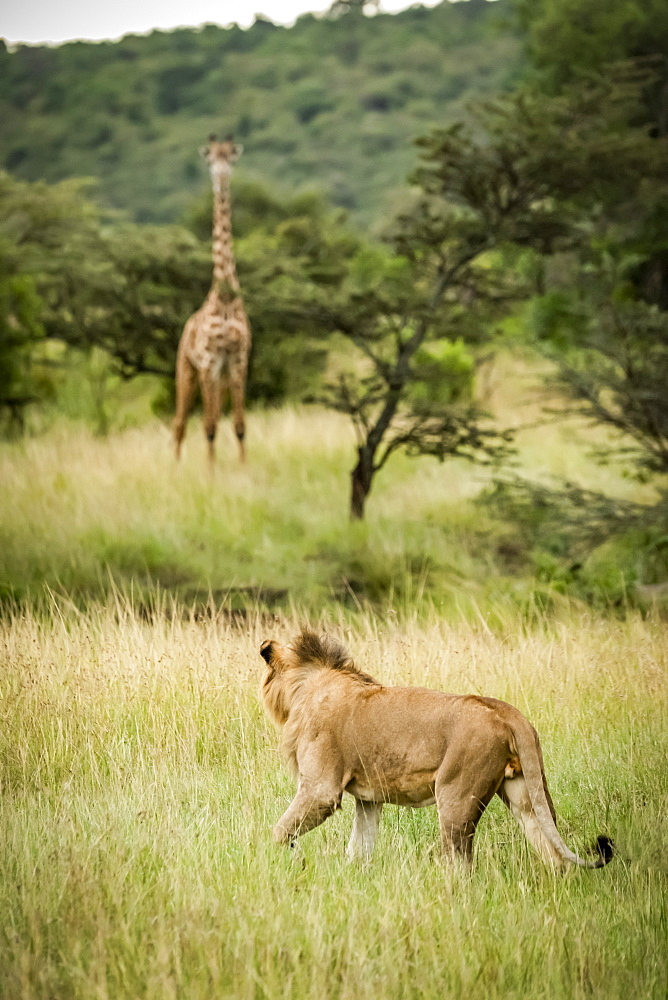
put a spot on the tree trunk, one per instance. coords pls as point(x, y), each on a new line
point(361, 477)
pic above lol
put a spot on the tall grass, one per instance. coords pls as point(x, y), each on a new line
point(88, 514)
point(140, 780)
point(84, 514)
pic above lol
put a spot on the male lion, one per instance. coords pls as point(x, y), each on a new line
point(345, 732)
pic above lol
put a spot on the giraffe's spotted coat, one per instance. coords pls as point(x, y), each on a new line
point(215, 343)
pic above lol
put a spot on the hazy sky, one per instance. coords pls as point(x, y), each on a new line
point(60, 20)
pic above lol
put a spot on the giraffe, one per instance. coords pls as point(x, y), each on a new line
point(216, 339)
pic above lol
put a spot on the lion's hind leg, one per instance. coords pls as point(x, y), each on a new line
point(365, 829)
point(462, 794)
point(514, 792)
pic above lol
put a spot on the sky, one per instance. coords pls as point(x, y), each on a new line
point(40, 21)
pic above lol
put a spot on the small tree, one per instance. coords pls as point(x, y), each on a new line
point(604, 309)
point(601, 314)
point(612, 362)
point(129, 296)
point(417, 313)
point(70, 274)
point(530, 173)
point(412, 388)
point(340, 7)
point(20, 329)
point(24, 211)
point(98, 282)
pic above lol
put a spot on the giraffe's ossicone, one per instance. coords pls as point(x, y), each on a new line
point(215, 343)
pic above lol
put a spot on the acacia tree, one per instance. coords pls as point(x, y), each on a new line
point(611, 352)
point(486, 190)
point(129, 295)
point(70, 273)
point(98, 282)
point(548, 177)
point(606, 306)
point(20, 330)
point(412, 390)
point(35, 221)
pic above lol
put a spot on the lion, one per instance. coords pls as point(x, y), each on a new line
point(343, 731)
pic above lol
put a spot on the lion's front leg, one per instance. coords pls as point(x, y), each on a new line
point(310, 807)
point(365, 828)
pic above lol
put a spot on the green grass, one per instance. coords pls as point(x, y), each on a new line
point(89, 515)
point(86, 514)
point(140, 780)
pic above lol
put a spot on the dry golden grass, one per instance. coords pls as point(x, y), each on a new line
point(139, 783)
point(139, 780)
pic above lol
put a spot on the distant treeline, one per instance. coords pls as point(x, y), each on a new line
point(332, 103)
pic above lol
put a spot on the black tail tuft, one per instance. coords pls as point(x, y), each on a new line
point(605, 849)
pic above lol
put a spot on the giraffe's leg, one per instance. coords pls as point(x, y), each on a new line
point(211, 397)
point(237, 392)
point(224, 392)
point(186, 386)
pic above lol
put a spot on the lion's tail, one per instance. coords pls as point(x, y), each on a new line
point(528, 748)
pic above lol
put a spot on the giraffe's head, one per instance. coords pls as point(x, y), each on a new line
point(220, 155)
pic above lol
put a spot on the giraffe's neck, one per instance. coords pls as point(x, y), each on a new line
point(224, 269)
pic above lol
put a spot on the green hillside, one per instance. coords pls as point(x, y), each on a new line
point(330, 103)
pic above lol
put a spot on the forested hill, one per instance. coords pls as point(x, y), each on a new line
point(330, 103)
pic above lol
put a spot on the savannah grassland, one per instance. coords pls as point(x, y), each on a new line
point(140, 779)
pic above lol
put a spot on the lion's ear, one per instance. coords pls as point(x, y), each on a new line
point(275, 655)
